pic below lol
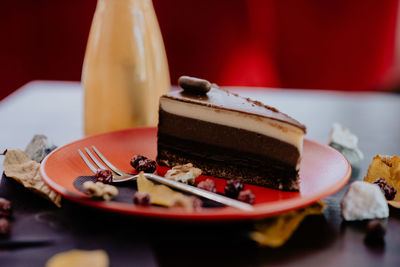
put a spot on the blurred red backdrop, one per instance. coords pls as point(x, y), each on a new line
point(343, 45)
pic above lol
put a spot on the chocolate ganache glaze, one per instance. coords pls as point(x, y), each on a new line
point(223, 99)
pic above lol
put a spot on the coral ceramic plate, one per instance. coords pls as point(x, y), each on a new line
point(324, 171)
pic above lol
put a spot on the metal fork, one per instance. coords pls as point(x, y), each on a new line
point(120, 176)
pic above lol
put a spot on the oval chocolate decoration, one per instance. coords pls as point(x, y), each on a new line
point(194, 85)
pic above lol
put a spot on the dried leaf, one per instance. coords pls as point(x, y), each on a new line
point(275, 231)
point(377, 169)
point(387, 167)
point(79, 258)
point(394, 204)
point(19, 166)
point(163, 195)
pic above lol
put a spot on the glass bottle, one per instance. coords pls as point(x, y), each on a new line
point(125, 68)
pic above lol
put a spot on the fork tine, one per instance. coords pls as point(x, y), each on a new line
point(87, 161)
point(109, 164)
point(95, 160)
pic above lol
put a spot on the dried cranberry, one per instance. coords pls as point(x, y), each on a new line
point(104, 176)
point(197, 203)
point(380, 181)
point(140, 198)
point(246, 196)
point(5, 227)
point(146, 165)
point(376, 230)
point(233, 188)
point(135, 160)
point(5, 208)
point(388, 190)
point(208, 185)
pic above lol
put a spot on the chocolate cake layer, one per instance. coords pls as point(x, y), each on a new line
point(227, 163)
point(225, 139)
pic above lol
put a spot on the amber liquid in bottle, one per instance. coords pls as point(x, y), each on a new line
point(125, 70)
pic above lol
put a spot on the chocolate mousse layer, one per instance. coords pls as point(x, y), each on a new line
point(226, 138)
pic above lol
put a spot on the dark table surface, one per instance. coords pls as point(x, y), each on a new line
point(40, 230)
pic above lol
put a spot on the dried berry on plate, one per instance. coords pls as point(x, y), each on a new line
point(197, 203)
point(5, 227)
point(5, 208)
point(233, 187)
point(104, 176)
point(207, 185)
point(140, 198)
point(246, 196)
point(135, 160)
point(146, 165)
point(388, 190)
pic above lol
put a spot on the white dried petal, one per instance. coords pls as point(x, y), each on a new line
point(364, 201)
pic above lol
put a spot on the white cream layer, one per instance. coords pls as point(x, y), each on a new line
point(276, 129)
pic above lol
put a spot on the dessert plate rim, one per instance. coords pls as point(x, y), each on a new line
point(56, 167)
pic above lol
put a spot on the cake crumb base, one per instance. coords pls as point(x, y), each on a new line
point(229, 171)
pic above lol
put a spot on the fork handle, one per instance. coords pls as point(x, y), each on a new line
point(200, 192)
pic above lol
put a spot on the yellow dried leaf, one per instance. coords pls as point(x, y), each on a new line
point(20, 167)
point(163, 195)
point(395, 180)
point(275, 231)
point(387, 167)
point(377, 169)
point(394, 203)
point(79, 258)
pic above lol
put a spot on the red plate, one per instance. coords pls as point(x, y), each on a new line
point(324, 171)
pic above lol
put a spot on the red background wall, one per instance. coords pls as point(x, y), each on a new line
point(344, 45)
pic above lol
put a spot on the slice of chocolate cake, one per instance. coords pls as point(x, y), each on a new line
point(229, 136)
